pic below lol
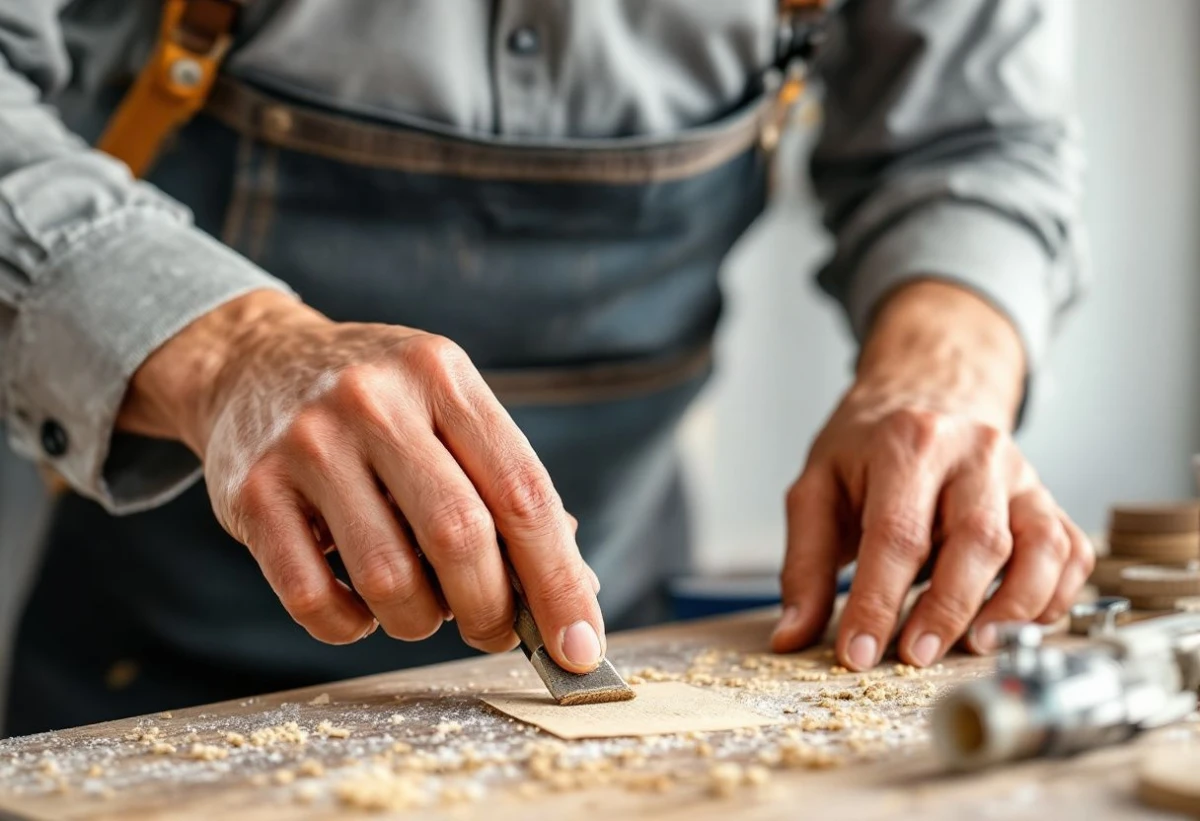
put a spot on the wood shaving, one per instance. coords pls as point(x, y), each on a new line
point(288, 733)
point(163, 748)
point(319, 700)
point(145, 735)
point(468, 793)
point(310, 768)
point(799, 756)
point(207, 752)
point(382, 790)
point(284, 777)
point(327, 729)
point(725, 778)
point(757, 776)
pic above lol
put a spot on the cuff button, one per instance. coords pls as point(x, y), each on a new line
point(54, 438)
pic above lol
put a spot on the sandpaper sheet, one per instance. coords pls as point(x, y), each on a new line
point(660, 708)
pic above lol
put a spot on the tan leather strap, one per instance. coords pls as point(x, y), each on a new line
point(175, 82)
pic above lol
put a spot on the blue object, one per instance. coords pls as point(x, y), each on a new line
point(696, 597)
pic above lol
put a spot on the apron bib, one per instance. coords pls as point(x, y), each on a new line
point(582, 279)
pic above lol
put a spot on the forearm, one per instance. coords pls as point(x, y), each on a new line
point(940, 346)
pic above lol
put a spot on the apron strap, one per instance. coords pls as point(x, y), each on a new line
point(175, 82)
point(173, 85)
point(799, 36)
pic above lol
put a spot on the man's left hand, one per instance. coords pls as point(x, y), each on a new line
point(919, 453)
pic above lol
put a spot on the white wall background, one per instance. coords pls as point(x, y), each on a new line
point(1119, 412)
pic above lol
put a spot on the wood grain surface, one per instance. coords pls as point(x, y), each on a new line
point(467, 761)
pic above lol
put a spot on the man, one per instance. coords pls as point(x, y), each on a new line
point(504, 224)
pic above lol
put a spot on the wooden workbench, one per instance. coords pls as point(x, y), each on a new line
point(888, 768)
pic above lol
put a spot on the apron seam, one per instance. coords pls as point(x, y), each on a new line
point(340, 138)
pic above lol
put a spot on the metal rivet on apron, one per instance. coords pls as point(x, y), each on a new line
point(186, 72)
point(277, 121)
point(524, 41)
point(54, 438)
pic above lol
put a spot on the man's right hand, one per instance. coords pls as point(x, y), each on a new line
point(385, 442)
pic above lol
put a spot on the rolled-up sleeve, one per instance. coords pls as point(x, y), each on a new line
point(97, 270)
point(948, 152)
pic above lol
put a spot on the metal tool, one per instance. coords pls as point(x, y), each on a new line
point(1053, 701)
point(1102, 615)
point(601, 685)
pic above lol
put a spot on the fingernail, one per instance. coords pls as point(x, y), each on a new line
point(788, 622)
point(984, 637)
point(581, 645)
point(863, 651)
point(925, 649)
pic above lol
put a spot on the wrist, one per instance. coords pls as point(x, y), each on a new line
point(175, 394)
point(940, 346)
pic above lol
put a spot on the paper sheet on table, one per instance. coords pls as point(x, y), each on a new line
point(659, 709)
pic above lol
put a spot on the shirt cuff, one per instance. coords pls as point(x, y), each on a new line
point(93, 314)
point(970, 245)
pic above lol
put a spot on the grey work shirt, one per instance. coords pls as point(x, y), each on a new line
point(946, 150)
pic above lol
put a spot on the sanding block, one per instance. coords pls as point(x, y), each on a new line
point(601, 685)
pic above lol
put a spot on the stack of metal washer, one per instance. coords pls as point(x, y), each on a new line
point(1153, 556)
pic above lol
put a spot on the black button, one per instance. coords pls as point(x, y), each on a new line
point(524, 41)
point(54, 438)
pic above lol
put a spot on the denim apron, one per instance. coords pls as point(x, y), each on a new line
point(581, 277)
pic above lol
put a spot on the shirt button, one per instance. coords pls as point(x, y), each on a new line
point(524, 41)
point(54, 438)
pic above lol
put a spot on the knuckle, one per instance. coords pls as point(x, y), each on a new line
point(253, 517)
point(560, 588)
point(381, 578)
point(904, 535)
point(459, 530)
point(991, 443)
point(874, 609)
point(527, 497)
point(259, 494)
point(431, 353)
point(803, 491)
point(917, 431)
point(1045, 533)
point(358, 388)
point(984, 530)
point(490, 627)
point(1086, 557)
point(1082, 552)
point(312, 438)
point(1021, 604)
point(302, 596)
point(949, 608)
